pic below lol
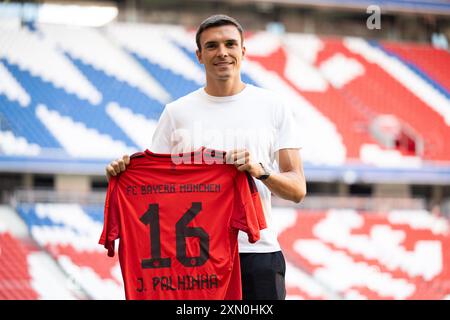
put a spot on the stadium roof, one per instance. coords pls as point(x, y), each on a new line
point(438, 7)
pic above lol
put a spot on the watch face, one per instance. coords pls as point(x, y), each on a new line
point(264, 177)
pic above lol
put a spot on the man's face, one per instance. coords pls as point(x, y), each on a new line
point(221, 52)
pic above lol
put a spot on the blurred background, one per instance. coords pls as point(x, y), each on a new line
point(82, 83)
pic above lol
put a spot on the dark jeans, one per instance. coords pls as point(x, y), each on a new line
point(262, 276)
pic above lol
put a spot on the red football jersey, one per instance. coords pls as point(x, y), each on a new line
point(178, 225)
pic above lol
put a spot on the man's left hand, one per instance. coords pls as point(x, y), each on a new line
point(242, 159)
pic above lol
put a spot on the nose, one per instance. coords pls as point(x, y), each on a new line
point(222, 50)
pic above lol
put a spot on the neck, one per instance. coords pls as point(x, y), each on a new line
point(219, 88)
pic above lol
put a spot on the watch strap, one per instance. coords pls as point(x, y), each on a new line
point(266, 173)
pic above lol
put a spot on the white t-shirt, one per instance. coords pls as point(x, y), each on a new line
point(255, 119)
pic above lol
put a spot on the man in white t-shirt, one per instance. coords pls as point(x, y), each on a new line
point(256, 129)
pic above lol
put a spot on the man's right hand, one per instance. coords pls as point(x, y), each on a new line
point(117, 166)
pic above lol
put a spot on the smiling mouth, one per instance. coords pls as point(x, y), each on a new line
point(221, 64)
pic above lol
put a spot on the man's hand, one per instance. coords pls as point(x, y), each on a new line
point(289, 183)
point(117, 166)
point(242, 159)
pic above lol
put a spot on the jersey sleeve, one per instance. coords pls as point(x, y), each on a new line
point(248, 214)
point(111, 221)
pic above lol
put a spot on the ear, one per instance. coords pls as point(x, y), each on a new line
point(244, 50)
point(199, 56)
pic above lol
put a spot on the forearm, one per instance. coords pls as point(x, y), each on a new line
point(287, 185)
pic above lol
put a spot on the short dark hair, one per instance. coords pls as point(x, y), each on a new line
point(217, 20)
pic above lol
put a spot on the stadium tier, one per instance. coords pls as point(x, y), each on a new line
point(399, 254)
point(15, 279)
point(86, 95)
point(333, 254)
point(28, 273)
point(70, 233)
point(422, 6)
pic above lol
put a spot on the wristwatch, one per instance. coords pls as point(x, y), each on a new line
point(266, 173)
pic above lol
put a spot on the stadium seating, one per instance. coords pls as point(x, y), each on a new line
point(371, 255)
point(428, 61)
point(15, 279)
point(70, 234)
point(358, 87)
point(333, 254)
point(98, 93)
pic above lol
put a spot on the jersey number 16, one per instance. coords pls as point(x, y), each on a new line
point(151, 217)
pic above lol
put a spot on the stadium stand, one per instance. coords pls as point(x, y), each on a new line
point(14, 274)
point(65, 88)
point(425, 59)
point(371, 255)
point(26, 271)
point(334, 254)
point(70, 233)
